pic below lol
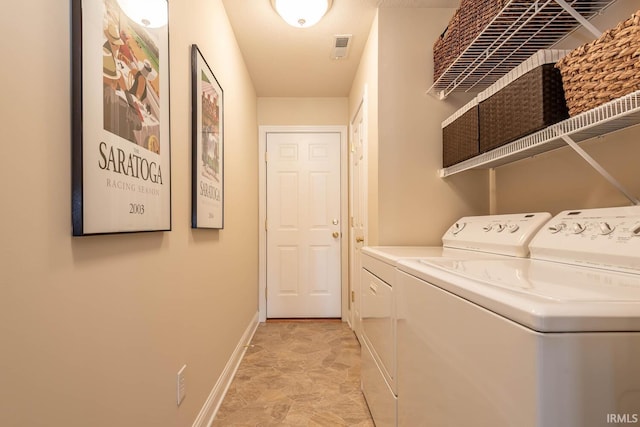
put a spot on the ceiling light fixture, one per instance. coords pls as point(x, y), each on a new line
point(301, 13)
point(148, 13)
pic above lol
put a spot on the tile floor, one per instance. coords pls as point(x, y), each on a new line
point(297, 374)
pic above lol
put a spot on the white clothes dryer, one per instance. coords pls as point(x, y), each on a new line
point(549, 341)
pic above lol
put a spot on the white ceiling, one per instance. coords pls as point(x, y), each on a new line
point(284, 61)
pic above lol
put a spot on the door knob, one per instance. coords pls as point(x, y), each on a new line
point(359, 239)
point(335, 234)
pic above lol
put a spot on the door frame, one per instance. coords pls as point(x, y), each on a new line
point(262, 211)
point(354, 276)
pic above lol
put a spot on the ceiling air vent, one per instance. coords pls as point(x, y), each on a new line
point(341, 45)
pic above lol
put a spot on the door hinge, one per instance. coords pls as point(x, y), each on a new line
point(351, 221)
point(266, 156)
point(353, 296)
point(265, 225)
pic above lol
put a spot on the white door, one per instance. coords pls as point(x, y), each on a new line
point(303, 225)
point(358, 210)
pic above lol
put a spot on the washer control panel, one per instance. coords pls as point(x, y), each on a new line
point(500, 234)
point(606, 238)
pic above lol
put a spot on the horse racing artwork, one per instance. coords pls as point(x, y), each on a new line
point(121, 162)
point(207, 197)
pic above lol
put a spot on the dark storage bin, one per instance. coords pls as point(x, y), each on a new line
point(460, 135)
point(525, 105)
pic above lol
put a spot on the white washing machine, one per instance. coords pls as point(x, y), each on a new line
point(505, 235)
point(553, 340)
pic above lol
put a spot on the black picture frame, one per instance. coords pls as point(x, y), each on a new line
point(207, 131)
point(121, 148)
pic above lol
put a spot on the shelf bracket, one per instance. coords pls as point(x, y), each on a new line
point(581, 19)
point(598, 167)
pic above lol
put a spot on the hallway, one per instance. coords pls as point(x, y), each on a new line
point(297, 374)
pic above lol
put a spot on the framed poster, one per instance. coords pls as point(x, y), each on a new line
point(207, 128)
point(121, 155)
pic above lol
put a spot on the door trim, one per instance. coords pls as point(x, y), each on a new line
point(354, 276)
point(262, 211)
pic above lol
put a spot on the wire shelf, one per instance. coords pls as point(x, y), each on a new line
point(618, 114)
point(521, 29)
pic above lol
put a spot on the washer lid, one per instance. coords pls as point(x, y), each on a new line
point(543, 295)
point(392, 254)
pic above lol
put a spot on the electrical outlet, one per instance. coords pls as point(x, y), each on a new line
point(181, 385)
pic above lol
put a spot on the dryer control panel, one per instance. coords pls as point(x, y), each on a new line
point(604, 238)
point(500, 234)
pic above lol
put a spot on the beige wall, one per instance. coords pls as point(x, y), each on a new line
point(415, 205)
point(303, 111)
point(560, 179)
point(94, 329)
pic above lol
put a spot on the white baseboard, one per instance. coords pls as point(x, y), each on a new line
point(213, 402)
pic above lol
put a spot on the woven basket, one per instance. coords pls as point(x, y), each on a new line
point(460, 135)
point(475, 15)
point(603, 70)
point(467, 23)
point(447, 47)
point(531, 102)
